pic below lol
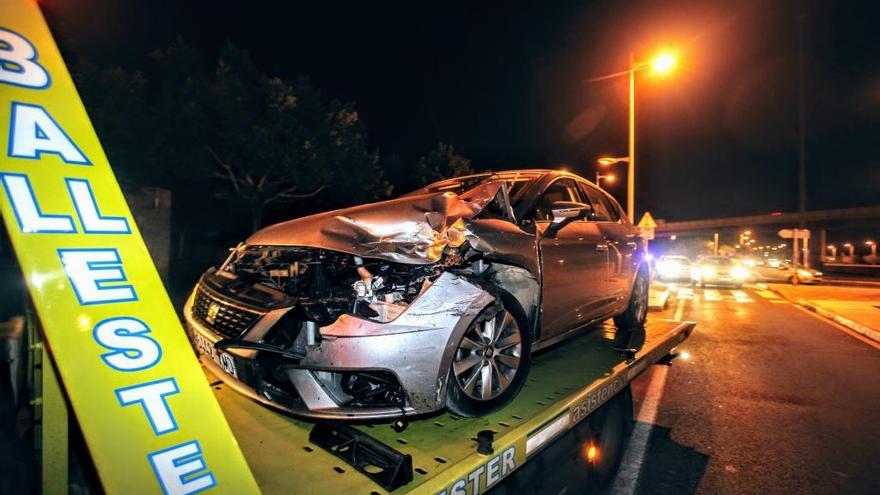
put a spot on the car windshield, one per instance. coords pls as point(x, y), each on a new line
point(516, 184)
point(720, 261)
point(675, 259)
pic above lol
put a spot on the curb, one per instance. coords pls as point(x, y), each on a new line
point(828, 315)
point(850, 283)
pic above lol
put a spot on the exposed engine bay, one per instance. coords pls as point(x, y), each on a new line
point(333, 283)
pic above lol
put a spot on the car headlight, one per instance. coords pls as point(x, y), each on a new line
point(804, 274)
point(707, 271)
point(668, 268)
point(739, 273)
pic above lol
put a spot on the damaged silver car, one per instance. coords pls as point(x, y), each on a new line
point(434, 299)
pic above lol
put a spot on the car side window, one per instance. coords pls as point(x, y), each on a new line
point(603, 209)
point(561, 190)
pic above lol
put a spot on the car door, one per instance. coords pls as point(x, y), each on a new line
point(574, 262)
point(622, 239)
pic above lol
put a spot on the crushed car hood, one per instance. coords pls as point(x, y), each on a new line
point(411, 229)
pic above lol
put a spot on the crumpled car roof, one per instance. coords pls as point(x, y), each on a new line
point(411, 229)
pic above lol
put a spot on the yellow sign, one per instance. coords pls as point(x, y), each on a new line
point(647, 221)
point(149, 418)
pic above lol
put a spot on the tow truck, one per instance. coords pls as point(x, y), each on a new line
point(576, 403)
point(569, 394)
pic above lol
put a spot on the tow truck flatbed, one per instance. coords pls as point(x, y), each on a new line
point(566, 384)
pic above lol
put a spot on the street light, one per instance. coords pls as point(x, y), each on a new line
point(851, 248)
point(608, 178)
point(663, 63)
point(833, 249)
point(873, 248)
point(660, 64)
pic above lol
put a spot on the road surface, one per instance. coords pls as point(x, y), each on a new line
point(772, 400)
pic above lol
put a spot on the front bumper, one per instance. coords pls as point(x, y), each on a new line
point(417, 348)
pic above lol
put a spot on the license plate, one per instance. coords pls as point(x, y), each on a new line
point(223, 360)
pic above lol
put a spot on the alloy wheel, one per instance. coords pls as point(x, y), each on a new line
point(640, 299)
point(488, 357)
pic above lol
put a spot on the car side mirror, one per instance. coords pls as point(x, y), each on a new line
point(565, 212)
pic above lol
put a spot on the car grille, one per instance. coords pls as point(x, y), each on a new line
point(225, 319)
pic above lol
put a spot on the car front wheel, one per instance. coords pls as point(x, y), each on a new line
point(489, 366)
point(637, 311)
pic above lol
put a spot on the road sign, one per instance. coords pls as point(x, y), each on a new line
point(647, 221)
point(791, 233)
point(148, 415)
point(647, 225)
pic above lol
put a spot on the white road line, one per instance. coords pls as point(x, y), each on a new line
point(766, 294)
point(712, 295)
point(741, 296)
point(627, 479)
point(679, 310)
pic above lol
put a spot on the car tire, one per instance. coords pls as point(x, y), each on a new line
point(636, 311)
point(465, 391)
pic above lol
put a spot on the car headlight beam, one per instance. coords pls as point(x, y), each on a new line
point(739, 273)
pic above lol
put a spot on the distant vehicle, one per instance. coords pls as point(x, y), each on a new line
point(774, 270)
point(674, 269)
point(718, 270)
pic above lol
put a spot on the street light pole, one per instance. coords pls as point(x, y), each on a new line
point(661, 64)
point(631, 173)
point(599, 177)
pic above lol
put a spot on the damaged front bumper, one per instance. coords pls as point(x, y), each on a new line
point(415, 350)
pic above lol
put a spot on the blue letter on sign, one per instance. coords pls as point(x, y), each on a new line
point(152, 397)
point(132, 349)
point(87, 208)
point(18, 65)
point(32, 132)
point(24, 203)
point(176, 466)
point(90, 269)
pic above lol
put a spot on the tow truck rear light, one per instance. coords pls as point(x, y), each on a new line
point(591, 453)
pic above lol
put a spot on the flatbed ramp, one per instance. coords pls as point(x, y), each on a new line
point(566, 383)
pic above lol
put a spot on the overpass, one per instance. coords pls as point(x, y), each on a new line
point(818, 221)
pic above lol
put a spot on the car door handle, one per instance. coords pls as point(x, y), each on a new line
point(601, 247)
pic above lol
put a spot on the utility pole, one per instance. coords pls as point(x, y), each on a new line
point(802, 139)
point(631, 176)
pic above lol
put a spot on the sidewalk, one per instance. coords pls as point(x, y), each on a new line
point(853, 307)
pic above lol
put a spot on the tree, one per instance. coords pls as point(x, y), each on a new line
point(277, 141)
point(442, 163)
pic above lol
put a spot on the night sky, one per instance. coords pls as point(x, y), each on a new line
point(505, 83)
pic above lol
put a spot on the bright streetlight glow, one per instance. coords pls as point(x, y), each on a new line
point(607, 160)
point(663, 63)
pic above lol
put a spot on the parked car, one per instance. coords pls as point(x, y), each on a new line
point(774, 270)
point(719, 271)
point(437, 298)
point(673, 268)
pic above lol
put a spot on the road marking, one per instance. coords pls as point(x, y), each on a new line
point(840, 327)
point(712, 295)
point(627, 479)
point(778, 301)
point(741, 296)
point(679, 310)
point(766, 294)
point(685, 293)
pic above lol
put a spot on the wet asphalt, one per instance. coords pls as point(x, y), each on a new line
point(772, 400)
